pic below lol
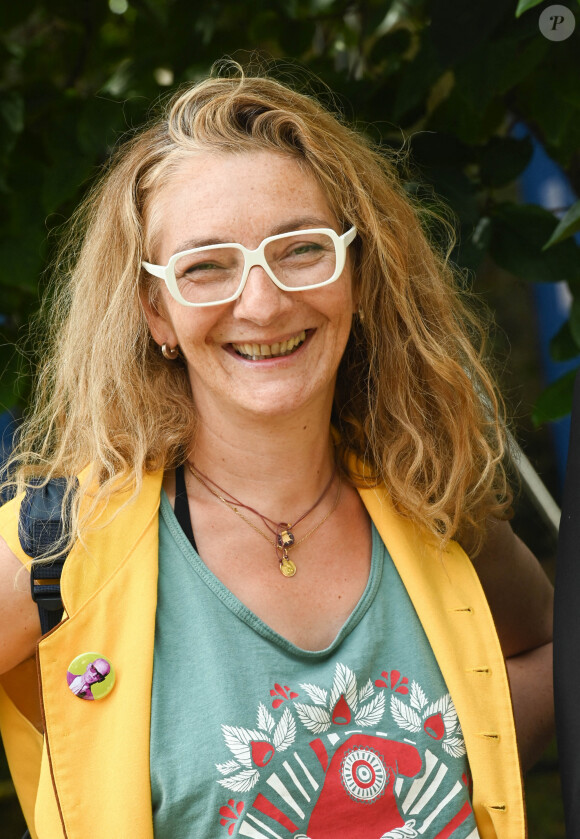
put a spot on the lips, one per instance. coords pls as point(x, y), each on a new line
point(257, 352)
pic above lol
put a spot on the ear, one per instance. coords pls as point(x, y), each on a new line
point(158, 319)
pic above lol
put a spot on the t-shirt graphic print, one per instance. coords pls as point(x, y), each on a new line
point(379, 761)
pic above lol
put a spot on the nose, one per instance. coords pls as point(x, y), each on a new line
point(261, 301)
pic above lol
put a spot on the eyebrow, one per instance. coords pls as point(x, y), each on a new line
point(300, 223)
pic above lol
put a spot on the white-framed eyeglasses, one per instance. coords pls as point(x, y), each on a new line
point(295, 261)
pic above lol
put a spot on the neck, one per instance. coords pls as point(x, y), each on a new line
point(279, 467)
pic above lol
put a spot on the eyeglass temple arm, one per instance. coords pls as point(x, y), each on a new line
point(348, 237)
point(155, 270)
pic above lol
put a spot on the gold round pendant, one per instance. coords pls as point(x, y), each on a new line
point(287, 568)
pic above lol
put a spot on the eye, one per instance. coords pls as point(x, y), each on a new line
point(202, 266)
point(307, 247)
point(198, 267)
point(302, 249)
point(207, 265)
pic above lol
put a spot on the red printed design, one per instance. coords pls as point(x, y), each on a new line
point(282, 694)
point(349, 784)
point(393, 681)
point(254, 748)
point(346, 704)
point(436, 719)
point(363, 771)
point(230, 815)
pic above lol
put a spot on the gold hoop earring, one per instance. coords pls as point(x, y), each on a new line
point(170, 353)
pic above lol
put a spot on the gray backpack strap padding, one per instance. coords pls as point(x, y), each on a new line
point(42, 529)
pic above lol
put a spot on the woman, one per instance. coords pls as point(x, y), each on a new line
point(262, 373)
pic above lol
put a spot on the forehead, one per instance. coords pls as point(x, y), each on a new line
point(239, 197)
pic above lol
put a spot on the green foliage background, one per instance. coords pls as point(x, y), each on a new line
point(446, 77)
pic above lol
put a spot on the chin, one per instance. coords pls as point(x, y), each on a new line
point(282, 404)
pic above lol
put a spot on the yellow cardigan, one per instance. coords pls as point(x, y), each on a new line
point(90, 772)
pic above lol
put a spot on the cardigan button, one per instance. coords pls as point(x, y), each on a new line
point(90, 676)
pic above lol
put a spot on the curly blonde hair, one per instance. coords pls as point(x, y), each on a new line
point(414, 399)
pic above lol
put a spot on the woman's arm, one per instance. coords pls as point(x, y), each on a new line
point(521, 600)
point(19, 621)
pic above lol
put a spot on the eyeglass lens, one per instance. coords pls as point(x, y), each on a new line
point(212, 274)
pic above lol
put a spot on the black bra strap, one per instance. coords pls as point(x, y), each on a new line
point(181, 510)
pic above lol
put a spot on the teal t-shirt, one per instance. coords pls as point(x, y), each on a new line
point(253, 737)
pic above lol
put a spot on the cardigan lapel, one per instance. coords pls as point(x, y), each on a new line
point(99, 750)
point(453, 610)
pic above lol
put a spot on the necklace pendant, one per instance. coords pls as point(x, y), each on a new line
point(285, 539)
point(287, 567)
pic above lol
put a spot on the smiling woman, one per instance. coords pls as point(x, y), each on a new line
point(288, 447)
point(241, 297)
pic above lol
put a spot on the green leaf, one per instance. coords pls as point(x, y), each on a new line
point(458, 26)
point(433, 148)
point(471, 121)
point(390, 48)
point(568, 226)
point(549, 100)
point(473, 245)
point(416, 79)
point(516, 245)
point(10, 376)
point(503, 159)
point(457, 190)
point(21, 260)
point(563, 347)
point(12, 111)
point(100, 122)
point(524, 5)
point(555, 401)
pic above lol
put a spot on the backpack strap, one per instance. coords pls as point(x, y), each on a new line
point(42, 529)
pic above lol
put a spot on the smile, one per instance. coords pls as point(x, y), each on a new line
point(256, 352)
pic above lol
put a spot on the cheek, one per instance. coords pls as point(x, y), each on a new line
point(195, 329)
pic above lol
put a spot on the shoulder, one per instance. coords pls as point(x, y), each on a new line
point(507, 567)
point(20, 629)
point(9, 516)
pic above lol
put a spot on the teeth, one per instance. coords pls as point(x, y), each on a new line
point(259, 351)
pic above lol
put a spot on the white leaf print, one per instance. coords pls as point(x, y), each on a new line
point(228, 767)
point(344, 683)
point(407, 831)
point(285, 732)
point(238, 739)
point(446, 708)
point(265, 719)
point(318, 695)
point(314, 718)
point(242, 782)
point(366, 692)
point(372, 713)
point(450, 716)
point(455, 746)
point(404, 716)
point(417, 696)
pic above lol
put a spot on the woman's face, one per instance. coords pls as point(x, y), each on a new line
point(244, 198)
